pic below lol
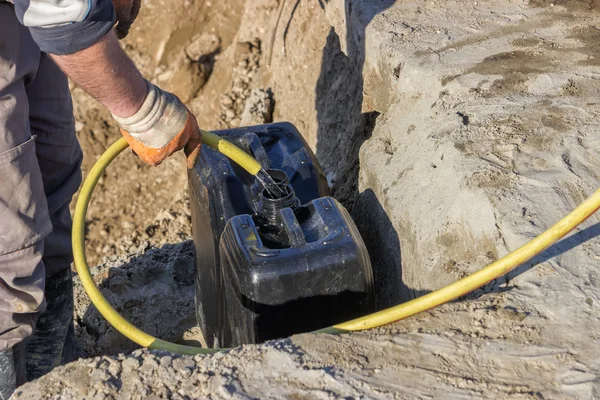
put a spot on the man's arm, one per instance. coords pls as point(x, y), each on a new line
point(155, 123)
point(79, 37)
point(107, 74)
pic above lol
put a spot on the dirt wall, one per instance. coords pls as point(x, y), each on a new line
point(454, 131)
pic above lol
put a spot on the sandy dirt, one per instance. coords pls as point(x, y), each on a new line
point(453, 131)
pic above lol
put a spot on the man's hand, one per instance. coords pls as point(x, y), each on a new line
point(162, 126)
point(127, 11)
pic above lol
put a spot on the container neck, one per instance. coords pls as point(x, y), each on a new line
point(270, 207)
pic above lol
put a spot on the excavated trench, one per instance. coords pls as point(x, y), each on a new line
point(149, 284)
point(453, 132)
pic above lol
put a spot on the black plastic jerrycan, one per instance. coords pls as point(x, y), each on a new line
point(267, 267)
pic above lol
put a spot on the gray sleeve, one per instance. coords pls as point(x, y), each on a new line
point(66, 26)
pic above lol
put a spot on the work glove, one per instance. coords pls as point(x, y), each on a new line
point(162, 126)
point(127, 11)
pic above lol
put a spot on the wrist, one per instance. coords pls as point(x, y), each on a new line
point(129, 105)
point(159, 119)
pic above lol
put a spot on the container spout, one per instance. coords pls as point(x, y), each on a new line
point(270, 202)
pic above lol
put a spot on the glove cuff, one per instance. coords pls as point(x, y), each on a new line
point(159, 120)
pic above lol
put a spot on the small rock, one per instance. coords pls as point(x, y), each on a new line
point(226, 101)
point(149, 363)
point(183, 364)
point(202, 45)
point(131, 363)
point(165, 76)
point(98, 375)
point(127, 225)
point(166, 361)
point(114, 368)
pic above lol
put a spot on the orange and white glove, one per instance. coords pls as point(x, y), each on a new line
point(162, 126)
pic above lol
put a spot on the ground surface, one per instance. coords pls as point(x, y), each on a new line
point(454, 132)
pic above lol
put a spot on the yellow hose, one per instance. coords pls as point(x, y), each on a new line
point(233, 152)
point(405, 310)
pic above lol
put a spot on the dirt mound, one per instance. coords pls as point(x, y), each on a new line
point(454, 132)
point(278, 370)
point(152, 287)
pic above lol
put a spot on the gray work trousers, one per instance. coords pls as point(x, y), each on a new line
point(40, 162)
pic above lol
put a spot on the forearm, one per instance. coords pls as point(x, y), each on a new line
point(105, 72)
point(79, 36)
point(154, 122)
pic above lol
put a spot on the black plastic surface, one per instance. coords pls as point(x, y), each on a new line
point(262, 277)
